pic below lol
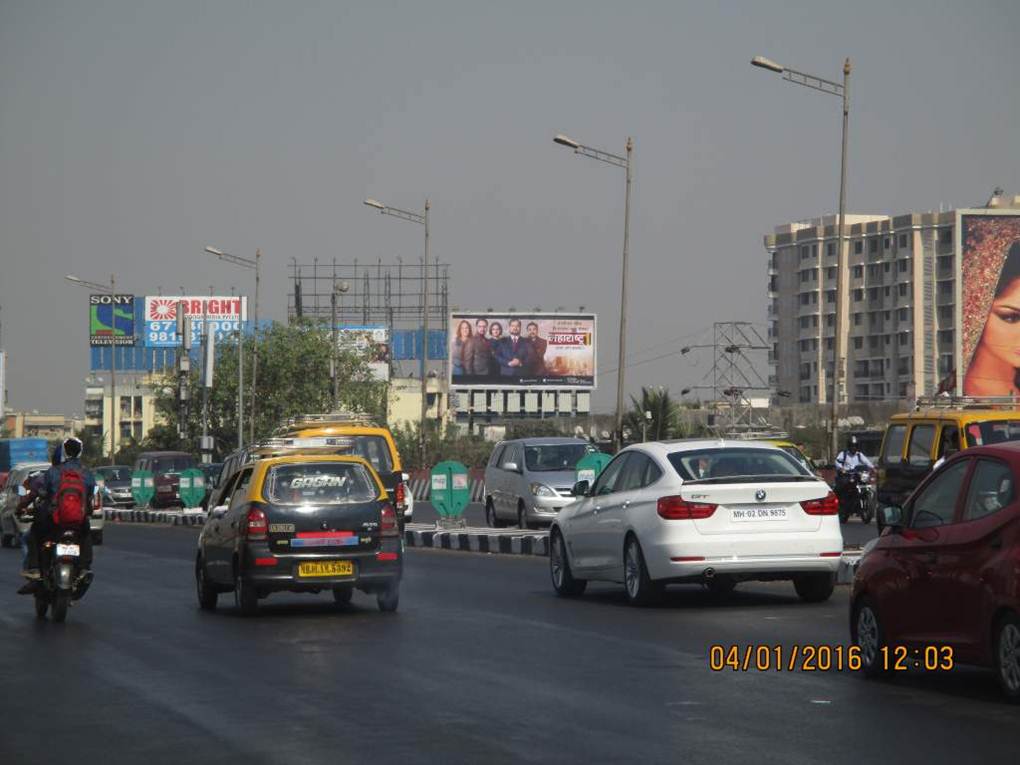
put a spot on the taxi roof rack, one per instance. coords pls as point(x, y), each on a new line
point(966, 402)
point(756, 435)
point(276, 446)
point(312, 420)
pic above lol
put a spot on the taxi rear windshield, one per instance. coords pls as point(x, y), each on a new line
point(993, 432)
point(319, 484)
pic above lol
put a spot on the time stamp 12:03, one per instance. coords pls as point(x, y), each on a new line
point(825, 658)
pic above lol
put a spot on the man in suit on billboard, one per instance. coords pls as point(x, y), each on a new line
point(538, 346)
point(477, 353)
point(515, 354)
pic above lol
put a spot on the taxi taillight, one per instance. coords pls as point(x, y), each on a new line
point(401, 495)
point(256, 524)
point(388, 522)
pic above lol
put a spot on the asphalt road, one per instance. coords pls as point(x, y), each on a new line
point(855, 533)
point(481, 663)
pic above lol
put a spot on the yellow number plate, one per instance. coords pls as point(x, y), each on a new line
point(326, 568)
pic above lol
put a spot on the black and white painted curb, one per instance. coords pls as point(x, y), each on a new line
point(520, 542)
point(168, 517)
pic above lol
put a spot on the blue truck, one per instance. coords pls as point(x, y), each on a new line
point(19, 451)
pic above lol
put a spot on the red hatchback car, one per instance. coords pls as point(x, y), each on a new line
point(942, 583)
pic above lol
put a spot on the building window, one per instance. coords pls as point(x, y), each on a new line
point(873, 245)
point(136, 431)
point(903, 314)
point(902, 289)
point(904, 338)
point(873, 342)
point(902, 266)
point(814, 320)
point(804, 298)
point(888, 339)
point(858, 343)
point(830, 296)
point(830, 272)
point(138, 407)
point(858, 294)
point(814, 344)
point(830, 320)
point(903, 365)
point(858, 247)
point(903, 241)
point(947, 236)
point(803, 322)
point(874, 270)
point(803, 253)
point(814, 298)
point(830, 249)
point(805, 345)
point(946, 289)
point(873, 293)
point(828, 343)
point(805, 275)
point(887, 267)
point(858, 272)
point(814, 250)
point(857, 319)
point(886, 243)
point(860, 369)
point(805, 371)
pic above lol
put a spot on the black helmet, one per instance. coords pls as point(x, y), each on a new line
point(71, 448)
point(851, 444)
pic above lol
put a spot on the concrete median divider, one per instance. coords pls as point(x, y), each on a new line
point(166, 517)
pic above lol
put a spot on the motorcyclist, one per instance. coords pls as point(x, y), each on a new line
point(847, 461)
point(66, 457)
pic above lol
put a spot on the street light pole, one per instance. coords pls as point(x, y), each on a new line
point(842, 253)
point(625, 163)
point(111, 290)
point(421, 219)
point(255, 265)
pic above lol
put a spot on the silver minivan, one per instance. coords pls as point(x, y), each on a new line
point(528, 480)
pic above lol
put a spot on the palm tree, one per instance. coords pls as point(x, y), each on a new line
point(664, 422)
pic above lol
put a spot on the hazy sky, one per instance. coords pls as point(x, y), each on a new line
point(134, 133)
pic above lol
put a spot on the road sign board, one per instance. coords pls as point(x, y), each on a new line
point(450, 489)
point(192, 487)
point(143, 487)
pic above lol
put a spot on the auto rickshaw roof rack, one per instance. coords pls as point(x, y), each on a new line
point(326, 419)
point(967, 402)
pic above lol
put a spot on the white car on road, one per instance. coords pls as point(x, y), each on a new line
point(711, 512)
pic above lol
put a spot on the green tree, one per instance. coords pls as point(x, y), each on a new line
point(294, 378)
point(448, 444)
point(665, 420)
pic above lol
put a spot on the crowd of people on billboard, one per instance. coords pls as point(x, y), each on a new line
point(513, 351)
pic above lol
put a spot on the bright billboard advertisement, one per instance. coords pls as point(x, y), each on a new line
point(111, 319)
point(536, 350)
point(373, 340)
point(989, 306)
point(224, 313)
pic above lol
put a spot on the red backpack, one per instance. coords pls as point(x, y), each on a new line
point(69, 501)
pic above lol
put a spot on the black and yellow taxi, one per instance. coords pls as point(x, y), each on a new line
point(300, 522)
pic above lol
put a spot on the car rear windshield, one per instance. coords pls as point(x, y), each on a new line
point(993, 432)
point(115, 474)
point(373, 449)
point(733, 463)
point(172, 464)
point(546, 458)
point(322, 483)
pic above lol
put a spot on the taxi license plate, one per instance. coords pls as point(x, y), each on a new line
point(326, 568)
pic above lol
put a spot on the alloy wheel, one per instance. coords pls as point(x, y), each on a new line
point(867, 635)
point(1009, 657)
point(556, 555)
point(632, 570)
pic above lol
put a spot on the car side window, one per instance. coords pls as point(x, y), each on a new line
point(922, 438)
point(225, 491)
point(513, 453)
point(892, 446)
point(991, 489)
point(608, 481)
point(496, 454)
point(241, 489)
point(633, 472)
point(936, 504)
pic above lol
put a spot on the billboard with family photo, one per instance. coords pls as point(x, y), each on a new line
point(531, 350)
point(989, 304)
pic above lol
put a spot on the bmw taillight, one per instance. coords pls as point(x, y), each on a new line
point(388, 522)
point(257, 525)
point(679, 509)
point(827, 505)
point(401, 495)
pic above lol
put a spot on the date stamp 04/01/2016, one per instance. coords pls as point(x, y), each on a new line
point(826, 658)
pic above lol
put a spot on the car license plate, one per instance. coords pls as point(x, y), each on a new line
point(70, 550)
point(758, 514)
point(326, 568)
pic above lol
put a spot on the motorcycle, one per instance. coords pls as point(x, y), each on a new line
point(61, 580)
point(858, 496)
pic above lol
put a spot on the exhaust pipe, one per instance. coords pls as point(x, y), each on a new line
point(709, 573)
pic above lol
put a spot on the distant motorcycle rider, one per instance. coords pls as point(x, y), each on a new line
point(67, 476)
point(847, 461)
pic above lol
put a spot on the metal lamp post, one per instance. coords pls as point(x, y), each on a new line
point(106, 290)
point(838, 346)
point(625, 163)
point(339, 288)
point(422, 219)
point(256, 265)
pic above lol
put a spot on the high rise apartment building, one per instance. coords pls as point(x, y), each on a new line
point(902, 294)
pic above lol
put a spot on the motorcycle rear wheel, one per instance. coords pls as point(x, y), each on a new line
point(61, 600)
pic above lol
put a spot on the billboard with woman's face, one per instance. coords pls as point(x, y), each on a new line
point(990, 304)
point(498, 350)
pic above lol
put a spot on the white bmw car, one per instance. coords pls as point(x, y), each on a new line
point(710, 512)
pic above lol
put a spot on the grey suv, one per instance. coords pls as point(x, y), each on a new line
point(528, 480)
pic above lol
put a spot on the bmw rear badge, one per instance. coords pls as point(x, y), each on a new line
point(760, 495)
